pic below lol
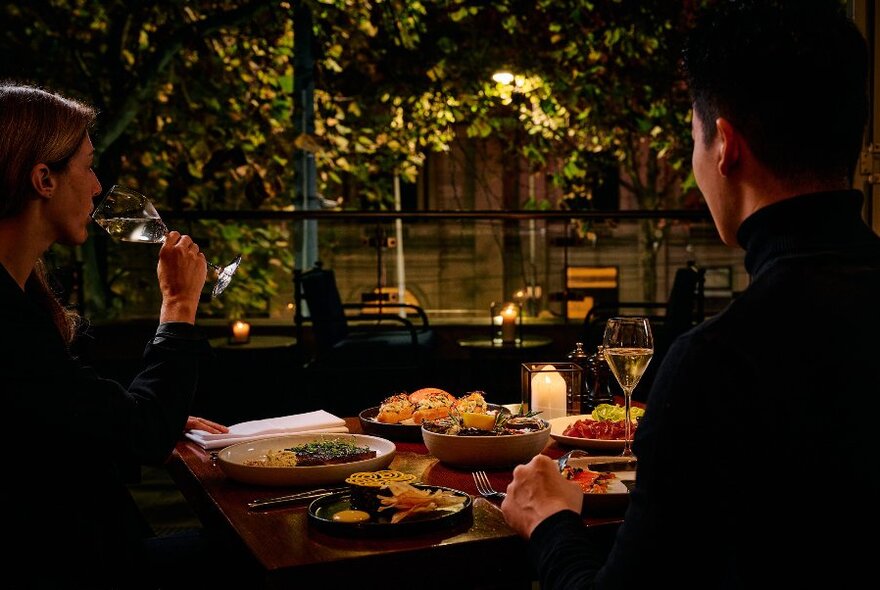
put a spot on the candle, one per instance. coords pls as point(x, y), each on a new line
point(241, 332)
point(549, 393)
point(508, 324)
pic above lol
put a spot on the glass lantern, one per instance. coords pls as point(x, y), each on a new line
point(555, 389)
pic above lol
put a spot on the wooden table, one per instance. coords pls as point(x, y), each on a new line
point(285, 550)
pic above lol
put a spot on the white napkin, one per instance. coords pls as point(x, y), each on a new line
point(317, 421)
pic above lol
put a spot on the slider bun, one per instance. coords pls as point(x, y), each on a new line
point(426, 392)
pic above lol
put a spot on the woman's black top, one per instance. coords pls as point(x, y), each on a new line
point(67, 433)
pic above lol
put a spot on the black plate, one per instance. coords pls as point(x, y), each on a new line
point(321, 513)
point(400, 432)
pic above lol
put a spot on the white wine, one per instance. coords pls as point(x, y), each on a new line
point(135, 229)
point(628, 364)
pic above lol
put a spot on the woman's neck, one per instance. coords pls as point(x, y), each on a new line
point(20, 247)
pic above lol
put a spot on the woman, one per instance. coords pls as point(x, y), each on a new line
point(71, 429)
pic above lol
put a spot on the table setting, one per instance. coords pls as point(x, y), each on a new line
point(456, 472)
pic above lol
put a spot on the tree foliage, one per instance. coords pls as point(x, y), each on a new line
point(196, 101)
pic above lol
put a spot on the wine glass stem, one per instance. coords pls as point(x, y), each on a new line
point(214, 267)
point(627, 426)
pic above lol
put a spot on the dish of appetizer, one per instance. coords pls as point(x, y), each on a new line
point(387, 503)
point(304, 459)
point(602, 429)
point(399, 416)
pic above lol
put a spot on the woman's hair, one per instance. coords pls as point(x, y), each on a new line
point(36, 127)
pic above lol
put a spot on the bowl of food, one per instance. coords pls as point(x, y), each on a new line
point(472, 442)
point(399, 416)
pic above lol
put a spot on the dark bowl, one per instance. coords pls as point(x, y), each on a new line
point(400, 432)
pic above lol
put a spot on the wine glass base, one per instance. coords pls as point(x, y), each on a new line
point(224, 276)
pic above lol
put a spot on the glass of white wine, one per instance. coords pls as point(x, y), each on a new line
point(129, 216)
point(628, 346)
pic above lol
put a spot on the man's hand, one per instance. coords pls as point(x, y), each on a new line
point(538, 490)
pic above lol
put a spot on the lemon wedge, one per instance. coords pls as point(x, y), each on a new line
point(481, 421)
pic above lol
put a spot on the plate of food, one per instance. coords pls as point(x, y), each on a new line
point(304, 459)
point(601, 430)
point(388, 503)
point(606, 485)
point(399, 417)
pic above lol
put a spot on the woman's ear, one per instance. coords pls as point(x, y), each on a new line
point(42, 180)
point(729, 146)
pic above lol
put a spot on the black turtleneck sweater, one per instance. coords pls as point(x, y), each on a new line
point(758, 458)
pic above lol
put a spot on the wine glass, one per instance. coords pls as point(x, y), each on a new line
point(129, 216)
point(628, 347)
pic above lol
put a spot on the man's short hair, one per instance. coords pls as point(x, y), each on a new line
point(790, 75)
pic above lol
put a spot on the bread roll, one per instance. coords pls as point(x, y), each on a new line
point(395, 409)
point(431, 403)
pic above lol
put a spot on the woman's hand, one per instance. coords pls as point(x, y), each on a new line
point(538, 491)
point(182, 271)
point(196, 423)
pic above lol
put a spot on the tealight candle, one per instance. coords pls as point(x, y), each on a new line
point(241, 332)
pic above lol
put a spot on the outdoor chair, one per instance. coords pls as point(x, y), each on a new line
point(373, 346)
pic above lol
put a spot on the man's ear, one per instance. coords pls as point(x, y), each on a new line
point(42, 180)
point(729, 146)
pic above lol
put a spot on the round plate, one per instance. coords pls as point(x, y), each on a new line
point(616, 499)
point(407, 431)
point(411, 432)
point(558, 426)
point(321, 513)
point(233, 460)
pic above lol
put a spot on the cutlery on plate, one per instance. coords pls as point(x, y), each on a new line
point(264, 503)
point(615, 464)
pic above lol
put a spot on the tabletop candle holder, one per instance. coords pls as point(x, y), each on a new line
point(552, 388)
point(506, 322)
point(240, 332)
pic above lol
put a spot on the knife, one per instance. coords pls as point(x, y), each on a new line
point(264, 503)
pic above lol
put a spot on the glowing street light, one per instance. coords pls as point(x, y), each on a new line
point(502, 77)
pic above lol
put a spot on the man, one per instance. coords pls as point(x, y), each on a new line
point(755, 453)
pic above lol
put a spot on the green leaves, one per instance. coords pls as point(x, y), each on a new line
point(197, 97)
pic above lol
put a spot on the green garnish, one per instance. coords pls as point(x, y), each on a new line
point(615, 413)
point(328, 447)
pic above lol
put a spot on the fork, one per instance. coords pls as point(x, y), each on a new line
point(484, 487)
